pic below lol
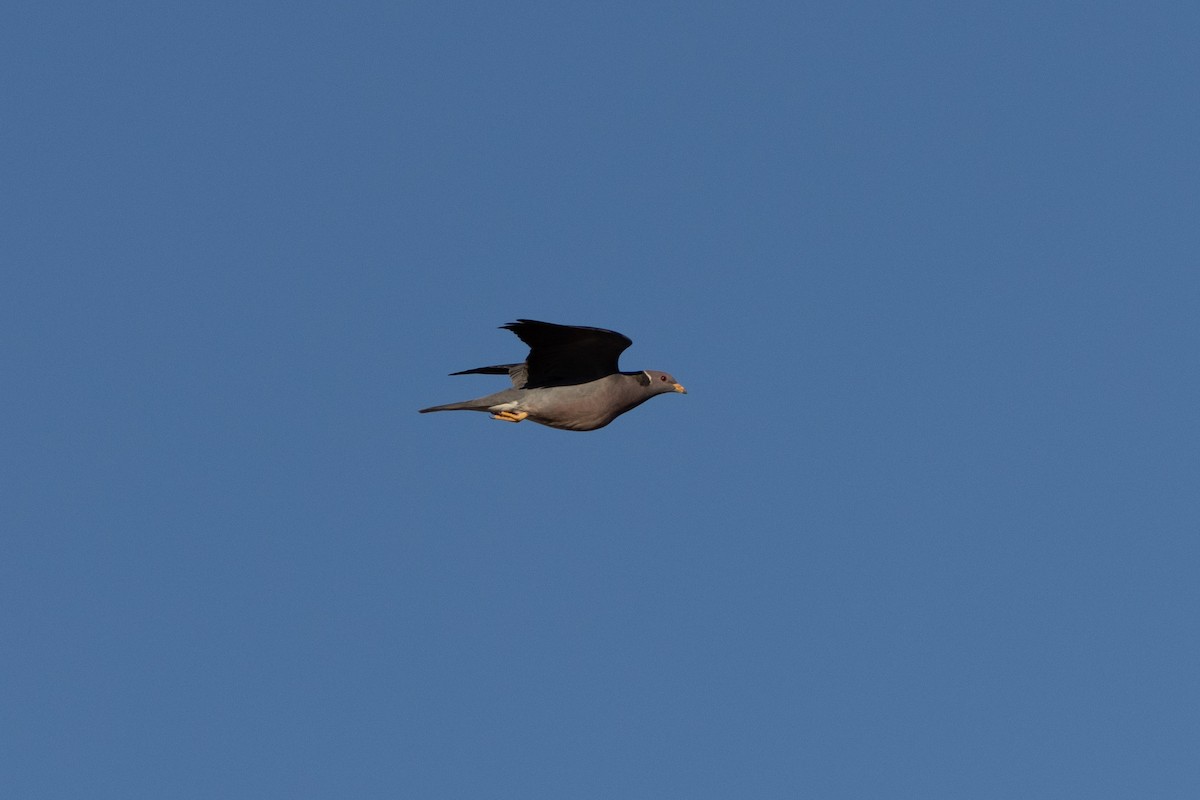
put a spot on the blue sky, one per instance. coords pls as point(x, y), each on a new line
point(924, 526)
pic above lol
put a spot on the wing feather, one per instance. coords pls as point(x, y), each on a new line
point(564, 355)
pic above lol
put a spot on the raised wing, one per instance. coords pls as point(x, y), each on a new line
point(563, 355)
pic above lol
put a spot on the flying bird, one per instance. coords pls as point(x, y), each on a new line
point(569, 380)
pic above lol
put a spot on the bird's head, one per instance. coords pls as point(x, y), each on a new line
point(660, 382)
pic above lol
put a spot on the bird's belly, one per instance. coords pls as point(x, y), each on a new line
point(572, 411)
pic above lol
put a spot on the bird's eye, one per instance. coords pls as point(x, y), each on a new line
point(662, 378)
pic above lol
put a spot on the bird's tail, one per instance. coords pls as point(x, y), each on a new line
point(479, 403)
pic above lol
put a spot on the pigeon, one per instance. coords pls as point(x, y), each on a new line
point(570, 380)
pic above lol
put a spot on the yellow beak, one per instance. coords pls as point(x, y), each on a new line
point(679, 388)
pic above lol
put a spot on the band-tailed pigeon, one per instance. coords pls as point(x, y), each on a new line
point(570, 379)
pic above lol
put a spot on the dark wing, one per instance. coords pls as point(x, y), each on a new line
point(563, 355)
point(514, 371)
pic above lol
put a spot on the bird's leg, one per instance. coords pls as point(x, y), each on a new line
point(510, 416)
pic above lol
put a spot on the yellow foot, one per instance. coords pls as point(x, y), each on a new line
point(510, 416)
